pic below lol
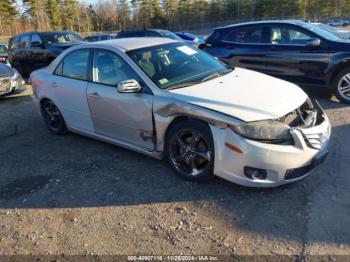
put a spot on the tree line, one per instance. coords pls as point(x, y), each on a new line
point(115, 15)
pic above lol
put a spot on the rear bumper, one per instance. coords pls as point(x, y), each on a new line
point(283, 164)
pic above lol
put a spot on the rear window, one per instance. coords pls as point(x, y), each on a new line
point(74, 65)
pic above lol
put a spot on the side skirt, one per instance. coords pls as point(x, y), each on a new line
point(154, 154)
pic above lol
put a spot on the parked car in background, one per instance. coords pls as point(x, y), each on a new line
point(190, 39)
point(148, 33)
point(101, 37)
point(3, 54)
point(344, 34)
point(337, 23)
point(299, 52)
point(34, 50)
point(163, 98)
point(10, 80)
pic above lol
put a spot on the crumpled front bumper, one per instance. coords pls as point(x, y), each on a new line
point(9, 85)
point(283, 163)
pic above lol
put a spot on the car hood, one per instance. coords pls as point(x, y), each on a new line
point(244, 94)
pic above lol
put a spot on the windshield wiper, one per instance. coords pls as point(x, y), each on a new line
point(182, 85)
point(211, 76)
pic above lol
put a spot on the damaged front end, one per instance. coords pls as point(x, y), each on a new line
point(303, 120)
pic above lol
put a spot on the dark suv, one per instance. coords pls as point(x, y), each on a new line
point(30, 51)
point(295, 51)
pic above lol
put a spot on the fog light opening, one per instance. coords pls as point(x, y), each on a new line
point(255, 173)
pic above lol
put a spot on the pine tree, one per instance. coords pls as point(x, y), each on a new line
point(54, 14)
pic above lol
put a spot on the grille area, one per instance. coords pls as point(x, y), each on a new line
point(314, 140)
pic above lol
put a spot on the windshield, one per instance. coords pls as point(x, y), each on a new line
point(169, 34)
point(3, 49)
point(321, 32)
point(177, 65)
point(61, 38)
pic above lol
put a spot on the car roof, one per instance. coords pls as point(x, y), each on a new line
point(41, 33)
point(291, 22)
point(132, 43)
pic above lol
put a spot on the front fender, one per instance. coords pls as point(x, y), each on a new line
point(166, 109)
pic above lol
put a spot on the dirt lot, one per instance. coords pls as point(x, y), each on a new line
point(75, 195)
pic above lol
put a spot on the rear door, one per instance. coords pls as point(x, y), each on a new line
point(68, 85)
point(242, 46)
point(291, 58)
point(126, 117)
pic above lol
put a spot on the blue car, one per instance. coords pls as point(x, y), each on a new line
point(190, 39)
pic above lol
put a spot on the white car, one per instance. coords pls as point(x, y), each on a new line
point(162, 98)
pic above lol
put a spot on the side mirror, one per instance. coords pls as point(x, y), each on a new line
point(203, 45)
point(314, 42)
point(129, 86)
point(36, 44)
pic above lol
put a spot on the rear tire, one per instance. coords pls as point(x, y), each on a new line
point(53, 118)
point(341, 86)
point(189, 149)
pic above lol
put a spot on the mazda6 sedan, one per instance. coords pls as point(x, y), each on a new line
point(164, 99)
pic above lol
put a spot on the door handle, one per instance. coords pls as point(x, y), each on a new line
point(94, 94)
point(54, 84)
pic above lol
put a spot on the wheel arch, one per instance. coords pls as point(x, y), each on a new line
point(338, 68)
point(177, 119)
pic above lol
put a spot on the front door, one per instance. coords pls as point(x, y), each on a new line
point(126, 117)
point(291, 58)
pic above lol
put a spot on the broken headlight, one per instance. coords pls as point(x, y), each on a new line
point(269, 131)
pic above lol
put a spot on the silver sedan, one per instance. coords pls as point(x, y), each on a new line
point(163, 98)
point(10, 80)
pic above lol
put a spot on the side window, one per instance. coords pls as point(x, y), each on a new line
point(152, 34)
point(24, 42)
point(110, 69)
point(36, 40)
point(298, 37)
point(59, 69)
point(105, 37)
point(247, 35)
point(138, 34)
point(92, 38)
point(74, 65)
point(283, 35)
point(14, 43)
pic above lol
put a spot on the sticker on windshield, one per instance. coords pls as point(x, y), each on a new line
point(163, 81)
point(187, 50)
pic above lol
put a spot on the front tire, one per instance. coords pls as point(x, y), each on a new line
point(189, 149)
point(341, 86)
point(53, 118)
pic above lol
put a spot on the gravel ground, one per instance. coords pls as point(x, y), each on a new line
point(74, 195)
